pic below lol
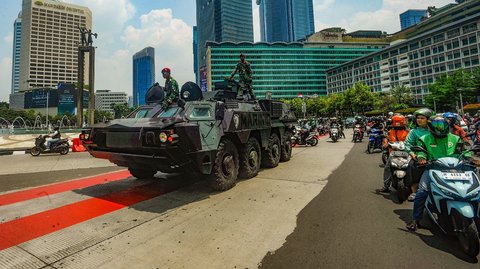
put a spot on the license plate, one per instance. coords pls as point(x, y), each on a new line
point(457, 176)
point(400, 153)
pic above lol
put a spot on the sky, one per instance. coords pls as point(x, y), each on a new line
point(125, 27)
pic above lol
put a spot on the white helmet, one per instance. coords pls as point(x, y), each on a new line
point(390, 114)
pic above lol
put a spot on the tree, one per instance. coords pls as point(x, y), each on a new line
point(359, 98)
point(120, 110)
point(402, 95)
point(101, 115)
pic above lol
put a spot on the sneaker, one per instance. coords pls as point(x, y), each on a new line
point(414, 225)
point(411, 197)
point(383, 190)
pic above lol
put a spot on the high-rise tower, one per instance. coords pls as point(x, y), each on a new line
point(286, 20)
point(49, 42)
point(17, 35)
point(143, 74)
point(222, 20)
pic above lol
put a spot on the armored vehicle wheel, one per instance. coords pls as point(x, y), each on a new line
point(225, 169)
point(287, 148)
point(250, 159)
point(271, 156)
point(141, 173)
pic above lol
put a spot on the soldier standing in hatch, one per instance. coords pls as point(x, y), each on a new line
point(171, 88)
point(245, 74)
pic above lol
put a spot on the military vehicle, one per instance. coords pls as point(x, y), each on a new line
point(218, 133)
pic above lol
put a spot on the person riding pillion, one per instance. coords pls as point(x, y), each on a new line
point(245, 75)
point(171, 88)
point(438, 143)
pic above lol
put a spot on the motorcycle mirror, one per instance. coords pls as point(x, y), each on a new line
point(475, 148)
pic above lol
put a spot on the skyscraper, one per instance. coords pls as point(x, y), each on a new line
point(143, 74)
point(222, 20)
point(412, 17)
point(286, 20)
point(49, 42)
point(17, 35)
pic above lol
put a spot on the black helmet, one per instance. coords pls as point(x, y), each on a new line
point(56, 128)
point(427, 112)
point(438, 126)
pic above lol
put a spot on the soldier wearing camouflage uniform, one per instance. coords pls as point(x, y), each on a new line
point(171, 88)
point(245, 75)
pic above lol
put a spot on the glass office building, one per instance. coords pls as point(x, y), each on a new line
point(17, 36)
point(143, 74)
point(416, 62)
point(285, 20)
point(411, 17)
point(286, 69)
point(222, 20)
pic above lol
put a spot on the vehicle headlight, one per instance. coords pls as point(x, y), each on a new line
point(394, 164)
point(163, 137)
point(404, 165)
point(186, 94)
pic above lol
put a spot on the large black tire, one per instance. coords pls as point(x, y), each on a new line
point(141, 173)
point(314, 142)
point(468, 239)
point(334, 138)
point(64, 150)
point(286, 153)
point(370, 147)
point(225, 170)
point(250, 157)
point(35, 151)
point(271, 155)
point(402, 192)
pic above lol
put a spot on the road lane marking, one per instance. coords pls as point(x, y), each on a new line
point(21, 196)
point(30, 227)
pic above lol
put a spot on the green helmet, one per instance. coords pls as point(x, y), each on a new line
point(427, 112)
point(438, 126)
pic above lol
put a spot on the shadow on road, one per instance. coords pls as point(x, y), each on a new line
point(437, 239)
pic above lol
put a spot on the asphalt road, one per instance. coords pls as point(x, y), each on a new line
point(349, 226)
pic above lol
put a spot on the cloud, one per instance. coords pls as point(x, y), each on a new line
point(5, 78)
point(172, 40)
point(8, 39)
point(385, 18)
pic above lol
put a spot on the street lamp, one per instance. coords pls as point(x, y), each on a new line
point(461, 100)
point(434, 104)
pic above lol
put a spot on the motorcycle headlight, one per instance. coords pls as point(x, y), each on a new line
point(404, 166)
point(394, 165)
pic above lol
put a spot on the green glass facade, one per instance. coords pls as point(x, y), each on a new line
point(285, 69)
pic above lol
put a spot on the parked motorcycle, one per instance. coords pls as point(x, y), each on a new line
point(454, 200)
point(399, 160)
point(61, 146)
point(311, 139)
point(374, 140)
point(357, 134)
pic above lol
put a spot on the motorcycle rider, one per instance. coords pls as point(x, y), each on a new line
point(421, 121)
point(335, 124)
point(438, 143)
point(359, 121)
point(54, 137)
point(398, 133)
point(455, 128)
point(411, 122)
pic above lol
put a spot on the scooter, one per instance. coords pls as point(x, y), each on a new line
point(399, 160)
point(334, 135)
point(61, 146)
point(453, 201)
point(374, 140)
point(311, 139)
point(357, 133)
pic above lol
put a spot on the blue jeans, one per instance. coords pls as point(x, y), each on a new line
point(421, 196)
point(51, 141)
point(387, 174)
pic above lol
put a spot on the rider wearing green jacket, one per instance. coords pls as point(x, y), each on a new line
point(438, 143)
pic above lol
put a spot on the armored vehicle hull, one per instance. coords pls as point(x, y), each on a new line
point(221, 137)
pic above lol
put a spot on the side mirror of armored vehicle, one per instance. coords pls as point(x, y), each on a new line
point(191, 92)
point(219, 111)
point(155, 94)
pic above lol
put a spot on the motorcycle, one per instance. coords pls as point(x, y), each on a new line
point(334, 134)
point(454, 198)
point(374, 140)
point(61, 146)
point(357, 133)
point(399, 160)
point(311, 139)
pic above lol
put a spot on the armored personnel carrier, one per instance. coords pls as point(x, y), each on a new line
point(218, 134)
